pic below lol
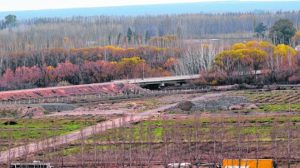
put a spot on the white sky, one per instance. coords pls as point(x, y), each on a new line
point(15, 5)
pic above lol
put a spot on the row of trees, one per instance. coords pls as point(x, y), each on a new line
point(88, 72)
point(241, 62)
point(166, 141)
point(41, 33)
point(169, 54)
point(153, 61)
point(154, 56)
point(89, 65)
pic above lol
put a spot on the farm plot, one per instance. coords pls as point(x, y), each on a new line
point(275, 100)
point(159, 142)
point(273, 97)
point(16, 132)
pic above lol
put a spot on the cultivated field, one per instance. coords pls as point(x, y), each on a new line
point(194, 127)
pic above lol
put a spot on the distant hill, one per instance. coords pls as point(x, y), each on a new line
point(179, 8)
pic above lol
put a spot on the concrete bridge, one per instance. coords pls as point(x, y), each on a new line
point(159, 81)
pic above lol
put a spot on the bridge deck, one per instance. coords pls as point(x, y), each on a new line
point(158, 79)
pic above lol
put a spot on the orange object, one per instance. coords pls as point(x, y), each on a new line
point(247, 163)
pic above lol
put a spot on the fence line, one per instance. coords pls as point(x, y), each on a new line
point(99, 97)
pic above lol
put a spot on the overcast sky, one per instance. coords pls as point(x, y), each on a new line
point(16, 5)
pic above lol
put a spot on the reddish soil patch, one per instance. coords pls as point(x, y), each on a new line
point(104, 88)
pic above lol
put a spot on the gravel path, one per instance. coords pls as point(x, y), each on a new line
point(218, 103)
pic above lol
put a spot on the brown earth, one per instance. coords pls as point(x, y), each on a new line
point(64, 91)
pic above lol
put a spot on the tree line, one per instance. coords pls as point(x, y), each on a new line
point(50, 67)
point(241, 62)
point(66, 73)
point(80, 32)
point(163, 142)
point(135, 56)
